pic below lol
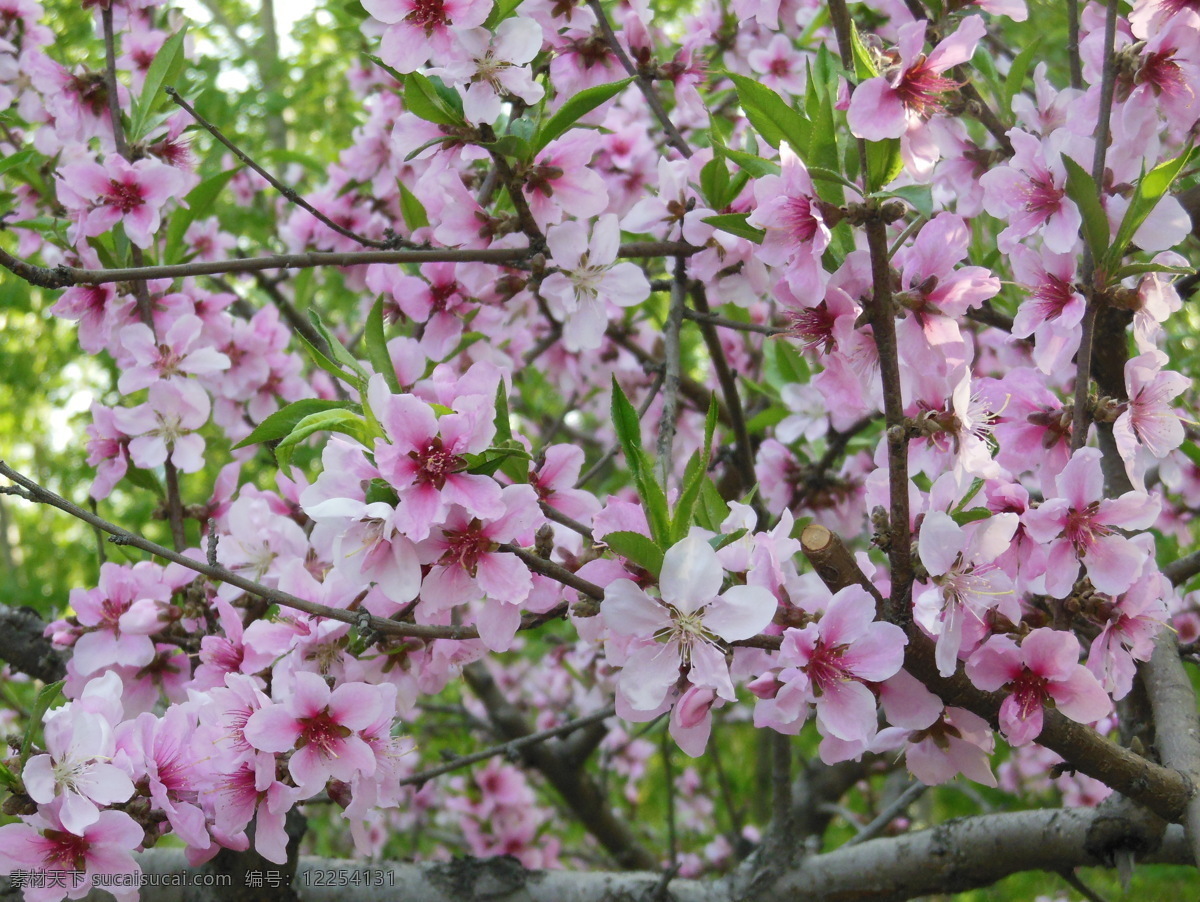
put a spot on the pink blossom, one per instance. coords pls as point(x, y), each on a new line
point(108, 450)
point(780, 65)
point(166, 424)
point(966, 582)
point(180, 352)
point(1132, 621)
point(789, 210)
point(1149, 420)
point(323, 727)
point(494, 66)
point(912, 86)
point(1081, 523)
point(100, 196)
point(691, 614)
point(423, 458)
point(827, 663)
point(44, 844)
point(76, 768)
point(1045, 667)
point(420, 29)
point(588, 279)
point(1030, 194)
point(118, 617)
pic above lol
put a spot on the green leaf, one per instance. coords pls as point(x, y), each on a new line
point(1018, 70)
point(412, 209)
point(344, 421)
point(15, 160)
point(718, 542)
point(502, 423)
point(377, 349)
point(41, 705)
point(783, 364)
point(501, 11)
point(199, 202)
point(384, 66)
point(488, 462)
point(1150, 190)
point(713, 509)
point(864, 62)
point(714, 182)
point(1192, 451)
point(164, 70)
point(976, 485)
point(884, 163)
point(754, 165)
point(629, 433)
point(341, 355)
point(771, 115)
point(1082, 189)
point(279, 424)
point(637, 548)
point(144, 479)
point(694, 476)
point(919, 197)
point(1137, 269)
point(575, 109)
point(422, 99)
point(8, 779)
point(736, 224)
point(962, 518)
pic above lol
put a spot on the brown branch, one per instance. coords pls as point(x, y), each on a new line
point(31, 491)
point(24, 646)
point(509, 748)
point(725, 323)
point(66, 276)
point(288, 192)
point(672, 364)
point(729, 390)
point(644, 84)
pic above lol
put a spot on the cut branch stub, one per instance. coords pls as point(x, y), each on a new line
point(833, 562)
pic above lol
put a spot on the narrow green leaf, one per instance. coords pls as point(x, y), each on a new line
point(144, 479)
point(14, 160)
point(328, 365)
point(384, 66)
point(629, 433)
point(575, 109)
point(377, 349)
point(41, 705)
point(1137, 269)
point(8, 779)
point(1083, 191)
point(279, 424)
point(713, 509)
point(919, 197)
point(1192, 451)
point(976, 485)
point(502, 422)
point(341, 354)
point(718, 542)
point(1017, 71)
point(771, 115)
point(636, 548)
point(884, 163)
point(501, 11)
point(714, 182)
point(864, 62)
point(736, 224)
point(165, 69)
point(422, 99)
point(412, 209)
point(1150, 190)
point(962, 518)
point(694, 476)
point(343, 421)
point(756, 166)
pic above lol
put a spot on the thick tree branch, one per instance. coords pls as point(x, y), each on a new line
point(964, 854)
point(25, 648)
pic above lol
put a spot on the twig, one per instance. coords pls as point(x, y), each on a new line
point(1083, 360)
point(34, 492)
point(1183, 569)
point(1073, 59)
point(504, 748)
point(288, 192)
point(562, 519)
point(726, 323)
point(671, 372)
point(889, 814)
point(666, 747)
point(66, 276)
point(1080, 887)
point(729, 390)
point(675, 139)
